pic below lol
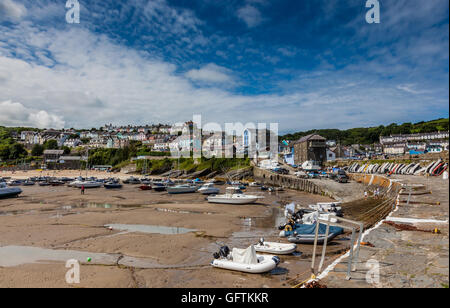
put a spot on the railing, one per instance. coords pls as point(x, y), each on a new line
point(352, 259)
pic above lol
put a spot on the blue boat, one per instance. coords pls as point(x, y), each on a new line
point(305, 234)
point(7, 192)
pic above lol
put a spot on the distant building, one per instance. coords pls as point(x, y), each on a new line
point(312, 147)
point(331, 156)
point(395, 149)
point(52, 157)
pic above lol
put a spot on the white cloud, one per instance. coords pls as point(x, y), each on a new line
point(12, 11)
point(250, 15)
point(409, 88)
point(210, 73)
point(16, 114)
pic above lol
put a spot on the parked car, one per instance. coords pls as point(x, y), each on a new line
point(342, 177)
point(313, 174)
point(281, 170)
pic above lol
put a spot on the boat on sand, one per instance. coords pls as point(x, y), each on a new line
point(233, 197)
point(244, 260)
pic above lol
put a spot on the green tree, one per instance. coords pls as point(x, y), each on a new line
point(16, 151)
point(51, 144)
point(37, 150)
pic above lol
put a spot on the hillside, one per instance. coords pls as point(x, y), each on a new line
point(371, 135)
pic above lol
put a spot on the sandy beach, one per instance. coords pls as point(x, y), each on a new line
point(46, 225)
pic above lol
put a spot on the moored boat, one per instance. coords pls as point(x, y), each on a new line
point(7, 192)
point(231, 197)
point(181, 189)
point(244, 260)
point(208, 189)
point(275, 248)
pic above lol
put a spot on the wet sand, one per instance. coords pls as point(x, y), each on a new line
point(60, 219)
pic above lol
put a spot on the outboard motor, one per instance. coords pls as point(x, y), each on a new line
point(224, 251)
point(276, 259)
point(261, 241)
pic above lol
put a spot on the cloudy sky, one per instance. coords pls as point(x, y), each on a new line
point(301, 63)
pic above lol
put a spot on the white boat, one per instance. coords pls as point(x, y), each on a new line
point(231, 197)
point(245, 260)
point(6, 192)
point(254, 184)
point(311, 165)
point(275, 248)
point(326, 206)
point(208, 189)
point(181, 189)
point(86, 184)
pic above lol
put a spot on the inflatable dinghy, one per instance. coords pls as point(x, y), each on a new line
point(304, 234)
point(275, 248)
point(309, 238)
point(8, 192)
point(244, 260)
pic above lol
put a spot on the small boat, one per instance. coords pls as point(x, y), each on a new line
point(86, 184)
point(305, 233)
point(157, 187)
point(56, 183)
point(28, 183)
point(244, 260)
point(198, 182)
point(233, 197)
point(208, 189)
point(132, 180)
point(145, 187)
point(112, 185)
point(309, 238)
point(275, 248)
point(181, 189)
point(14, 183)
point(7, 192)
point(254, 184)
point(44, 184)
point(217, 182)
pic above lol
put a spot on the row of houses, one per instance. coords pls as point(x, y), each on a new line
point(415, 143)
point(316, 148)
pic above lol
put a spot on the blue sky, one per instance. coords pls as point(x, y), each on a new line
point(303, 64)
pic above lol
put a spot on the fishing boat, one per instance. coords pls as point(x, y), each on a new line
point(275, 248)
point(244, 260)
point(232, 196)
point(208, 189)
point(7, 192)
point(182, 189)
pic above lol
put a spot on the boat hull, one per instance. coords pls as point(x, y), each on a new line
point(224, 200)
point(276, 248)
point(265, 264)
point(10, 192)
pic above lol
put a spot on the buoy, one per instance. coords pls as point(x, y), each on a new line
point(89, 259)
point(436, 231)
